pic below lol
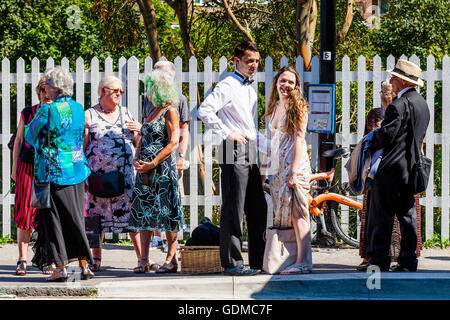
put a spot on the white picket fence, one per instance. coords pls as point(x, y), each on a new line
point(131, 74)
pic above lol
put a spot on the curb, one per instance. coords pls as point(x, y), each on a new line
point(71, 290)
point(352, 286)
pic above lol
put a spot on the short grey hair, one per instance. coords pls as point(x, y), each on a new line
point(386, 83)
point(60, 80)
point(106, 82)
point(166, 66)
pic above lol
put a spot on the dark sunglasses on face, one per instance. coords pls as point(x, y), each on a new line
point(118, 90)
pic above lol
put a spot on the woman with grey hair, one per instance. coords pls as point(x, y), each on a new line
point(156, 198)
point(56, 133)
point(109, 145)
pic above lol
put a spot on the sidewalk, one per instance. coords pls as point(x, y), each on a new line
point(333, 277)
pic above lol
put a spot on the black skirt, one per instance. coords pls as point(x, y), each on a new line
point(61, 229)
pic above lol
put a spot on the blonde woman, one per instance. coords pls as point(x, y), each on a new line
point(108, 147)
point(289, 163)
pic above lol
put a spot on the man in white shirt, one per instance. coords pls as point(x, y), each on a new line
point(235, 102)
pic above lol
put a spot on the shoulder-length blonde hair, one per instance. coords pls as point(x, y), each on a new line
point(297, 108)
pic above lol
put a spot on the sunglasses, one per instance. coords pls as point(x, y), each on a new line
point(118, 90)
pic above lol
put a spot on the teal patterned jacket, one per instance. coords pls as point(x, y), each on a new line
point(62, 161)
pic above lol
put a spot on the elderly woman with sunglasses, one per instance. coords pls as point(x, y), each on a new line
point(111, 134)
point(56, 133)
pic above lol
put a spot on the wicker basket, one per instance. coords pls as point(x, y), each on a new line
point(200, 259)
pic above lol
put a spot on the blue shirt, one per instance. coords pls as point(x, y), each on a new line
point(62, 161)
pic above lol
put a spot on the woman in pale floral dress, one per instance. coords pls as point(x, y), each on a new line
point(110, 146)
point(290, 168)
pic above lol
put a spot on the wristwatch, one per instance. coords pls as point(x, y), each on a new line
point(181, 155)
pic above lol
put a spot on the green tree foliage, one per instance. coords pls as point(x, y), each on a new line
point(36, 29)
point(420, 27)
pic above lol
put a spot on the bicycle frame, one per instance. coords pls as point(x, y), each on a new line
point(317, 204)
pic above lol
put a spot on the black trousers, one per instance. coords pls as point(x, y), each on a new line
point(241, 192)
point(386, 201)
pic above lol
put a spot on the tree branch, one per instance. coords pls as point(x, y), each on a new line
point(236, 22)
point(348, 21)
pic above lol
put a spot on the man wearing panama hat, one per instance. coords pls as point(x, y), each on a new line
point(391, 194)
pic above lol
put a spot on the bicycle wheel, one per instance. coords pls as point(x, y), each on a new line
point(340, 232)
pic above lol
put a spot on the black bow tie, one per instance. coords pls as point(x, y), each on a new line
point(246, 80)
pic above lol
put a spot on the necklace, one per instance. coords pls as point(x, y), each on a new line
point(107, 111)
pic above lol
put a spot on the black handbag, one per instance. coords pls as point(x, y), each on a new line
point(110, 184)
point(420, 173)
point(40, 194)
point(107, 185)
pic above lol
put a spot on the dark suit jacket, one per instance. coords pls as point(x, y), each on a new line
point(395, 136)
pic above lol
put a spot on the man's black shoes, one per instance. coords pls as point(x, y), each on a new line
point(400, 268)
point(241, 271)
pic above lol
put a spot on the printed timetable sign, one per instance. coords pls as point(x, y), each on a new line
point(321, 99)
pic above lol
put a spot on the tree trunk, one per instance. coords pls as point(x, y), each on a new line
point(149, 15)
point(348, 21)
point(181, 8)
point(306, 18)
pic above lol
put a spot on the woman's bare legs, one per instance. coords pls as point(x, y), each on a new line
point(23, 240)
point(172, 246)
point(145, 237)
point(136, 239)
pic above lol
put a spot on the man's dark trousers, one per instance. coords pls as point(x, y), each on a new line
point(241, 192)
point(387, 200)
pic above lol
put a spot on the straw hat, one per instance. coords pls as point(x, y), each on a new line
point(408, 71)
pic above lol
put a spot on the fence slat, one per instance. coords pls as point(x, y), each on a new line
point(6, 154)
point(65, 64)
point(133, 86)
point(194, 144)
point(122, 75)
point(35, 76)
point(208, 147)
point(445, 194)
point(377, 82)
point(109, 66)
point(361, 96)
point(20, 69)
point(429, 151)
point(95, 80)
point(79, 81)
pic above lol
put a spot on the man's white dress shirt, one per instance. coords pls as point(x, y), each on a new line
point(232, 106)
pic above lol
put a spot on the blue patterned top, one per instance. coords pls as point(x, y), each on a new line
point(62, 161)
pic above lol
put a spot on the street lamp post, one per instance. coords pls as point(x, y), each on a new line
point(327, 73)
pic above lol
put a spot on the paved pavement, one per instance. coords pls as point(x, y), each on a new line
point(333, 277)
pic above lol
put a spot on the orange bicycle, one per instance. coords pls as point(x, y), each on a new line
point(321, 199)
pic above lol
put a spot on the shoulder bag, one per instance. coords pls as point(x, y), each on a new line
point(110, 184)
point(420, 173)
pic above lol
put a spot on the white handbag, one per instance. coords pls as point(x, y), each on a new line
point(280, 251)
